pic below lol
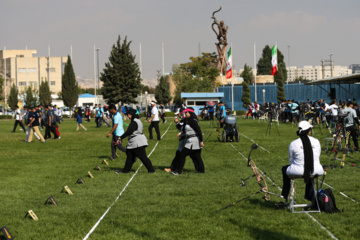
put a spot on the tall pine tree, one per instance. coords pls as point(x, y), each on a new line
point(30, 97)
point(69, 88)
point(246, 75)
point(162, 91)
point(264, 68)
point(13, 97)
point(121, 75)
point(280, 86)
point(44, 93)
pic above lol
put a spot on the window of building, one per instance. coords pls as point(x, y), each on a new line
point(51, 69)
point(22, 83)
point(19, 55)
point(33, 83)
point(29, 70)
point(52, 83)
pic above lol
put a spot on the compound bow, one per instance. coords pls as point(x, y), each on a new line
point(260, 180)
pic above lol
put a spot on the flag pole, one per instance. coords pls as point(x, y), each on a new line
point(232, 83)
point(255, 70)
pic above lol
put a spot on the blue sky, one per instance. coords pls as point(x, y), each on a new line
point(313, 29)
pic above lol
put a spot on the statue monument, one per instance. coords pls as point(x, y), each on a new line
point(222, 41)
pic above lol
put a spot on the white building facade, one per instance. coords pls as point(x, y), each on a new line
point(317, 72)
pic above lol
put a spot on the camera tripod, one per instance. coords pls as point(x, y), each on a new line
point(268, 130)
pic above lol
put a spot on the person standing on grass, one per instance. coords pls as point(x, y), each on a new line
point(34, 125)
point(49, 123)
point(18, 119)
point(162, 113)
point(154, 122)
point(304, 159)
point(116, 131)
point(27, 117)
point(193, 145)
point(182, 141)
point(96, 109)
point(79, 118)
point(43, 116)
point(136, 144)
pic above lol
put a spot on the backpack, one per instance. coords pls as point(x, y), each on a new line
point(327, 201)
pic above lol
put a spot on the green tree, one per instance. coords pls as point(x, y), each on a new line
point(264, 64)
point(69, 85)
point(301, 79)
point(30, 96)
point(162, 91)
point(1, 87)
point(121, 75)
point(280, 86)
point(264, 68)
point(198, 75)
point(44, 93)
point(13, 97)
point(246, 75)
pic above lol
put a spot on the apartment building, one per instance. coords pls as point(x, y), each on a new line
point(24, 69)
point(317, 72)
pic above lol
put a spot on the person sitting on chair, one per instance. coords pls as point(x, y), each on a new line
point(304, 159)
point(230, 124)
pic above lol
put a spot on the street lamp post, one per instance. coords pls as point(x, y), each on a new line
point(331, 65)
point(264, 96)
point(98, 68)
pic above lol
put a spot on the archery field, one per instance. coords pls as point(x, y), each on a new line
point(139, 205)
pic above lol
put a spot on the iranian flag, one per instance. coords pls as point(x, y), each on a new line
point(229, 65)
point(274, 60)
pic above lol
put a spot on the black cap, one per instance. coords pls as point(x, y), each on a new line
point(132, 112)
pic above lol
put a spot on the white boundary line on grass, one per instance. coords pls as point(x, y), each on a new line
point(314, 219)
point(127, 184)
point(254, 142)
point(340, 192)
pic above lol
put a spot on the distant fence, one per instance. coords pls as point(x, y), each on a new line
point(297, 91)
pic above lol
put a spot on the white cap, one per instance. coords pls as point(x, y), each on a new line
point(152, 103)
point(304, 125)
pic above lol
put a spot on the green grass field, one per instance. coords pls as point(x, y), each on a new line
point(161, 205)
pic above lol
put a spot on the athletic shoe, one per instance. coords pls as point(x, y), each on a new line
point(119, 172)
point(167, 169)
point(165, 121)
point(175, 173)
point(44, 142)
point(59, 138)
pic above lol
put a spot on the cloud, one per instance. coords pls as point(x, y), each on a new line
point(303, 22)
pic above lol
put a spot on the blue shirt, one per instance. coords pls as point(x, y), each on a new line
point(117, 119)
point(98, 112)
point(222, 111)
point(293, 107)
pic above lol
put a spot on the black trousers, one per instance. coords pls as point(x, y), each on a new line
point(353, 134)
point(309, 189)
point(196, 158)
point(140, 153)
point(175, 161)
point(113, 146)
point(154, 124)
point(20, 123)
point(50, 129)
point(211, 115)
point(163, 117)
point(97, 121)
